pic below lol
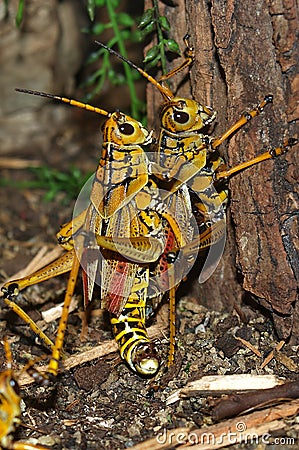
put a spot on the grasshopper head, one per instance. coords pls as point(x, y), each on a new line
point(185, 115)
point(122, 130)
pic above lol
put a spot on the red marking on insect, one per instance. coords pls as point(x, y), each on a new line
point(118, 281)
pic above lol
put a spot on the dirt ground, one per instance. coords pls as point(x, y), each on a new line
point(102, 404)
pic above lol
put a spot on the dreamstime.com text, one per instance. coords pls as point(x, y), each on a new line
point(229, 438)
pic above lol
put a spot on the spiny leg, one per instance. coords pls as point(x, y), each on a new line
point(272, 153)
point(204, 240)
point(60, 266)
point(212, 235)
point(40, 378)
point(57, 349)
point(24, 316)
point(12, 288)
point(216, 231)
point(245, 118)
point(189, 59)
point(141, 248)
point(172, 320)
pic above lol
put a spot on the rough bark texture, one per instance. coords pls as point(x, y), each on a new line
point(243, 52)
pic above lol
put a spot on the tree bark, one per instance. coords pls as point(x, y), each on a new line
point(243, 52)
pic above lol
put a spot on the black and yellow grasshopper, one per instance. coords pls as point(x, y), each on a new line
point(115, 238)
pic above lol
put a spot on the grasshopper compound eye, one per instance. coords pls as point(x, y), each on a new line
point(181, 117)
point(126, 128)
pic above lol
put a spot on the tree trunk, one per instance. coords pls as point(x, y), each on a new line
point(245, 50)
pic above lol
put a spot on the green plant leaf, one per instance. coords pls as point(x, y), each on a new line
point(151, 54)
point(136, 35)
point(114, 3)
point(124, 19)
point(164, 23)
point(125, 34)
point(19, 15)
point(122, 31)
point(90, 8)
point(172, 46)
point(98, 28)
point(153, 62)
point(93, 77)
point(148, 29)
point(146, 18)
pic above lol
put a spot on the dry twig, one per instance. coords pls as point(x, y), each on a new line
point(236, 404)
point(249, 345)
point(224, 383)
point(55, 313)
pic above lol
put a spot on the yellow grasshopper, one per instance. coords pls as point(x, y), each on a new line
point(10, 409)
point(189, 169)
point(115, 238)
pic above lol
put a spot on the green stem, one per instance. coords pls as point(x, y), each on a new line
point(122, 51)
point(160, 37)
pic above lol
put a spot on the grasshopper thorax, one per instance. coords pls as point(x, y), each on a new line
point(185, 115)
point(121, 130)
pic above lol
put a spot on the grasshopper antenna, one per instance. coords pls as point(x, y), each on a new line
point(70, 101)
point(165, 91)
